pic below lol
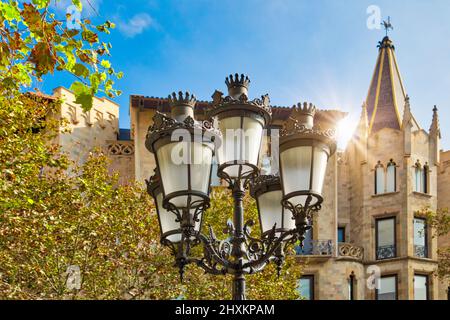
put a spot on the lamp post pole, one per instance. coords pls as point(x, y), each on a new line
point(238, 242)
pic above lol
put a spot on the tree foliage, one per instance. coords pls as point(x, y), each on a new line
point(54, 221)
point(440, 221)
point(35, 43)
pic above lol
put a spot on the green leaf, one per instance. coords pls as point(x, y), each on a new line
point(80, 70)
point(83, 95)
point(96, 79)
point(10, 11)
point(41, 3)
point(42, 58)
point(89, 36)
point(31, 17)
point(106, 64)
point(110, 24)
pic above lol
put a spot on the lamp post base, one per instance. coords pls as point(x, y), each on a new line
point(239, 287)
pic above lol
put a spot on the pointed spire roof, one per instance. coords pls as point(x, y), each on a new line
point(386, 96)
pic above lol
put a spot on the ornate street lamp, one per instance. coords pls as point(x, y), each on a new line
point(304, 154)
point(184, 149)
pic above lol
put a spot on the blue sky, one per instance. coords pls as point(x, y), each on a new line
point(316, 51)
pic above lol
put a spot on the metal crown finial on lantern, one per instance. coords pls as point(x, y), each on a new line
point(182, 105)
point(304, 114)
point(237, 85)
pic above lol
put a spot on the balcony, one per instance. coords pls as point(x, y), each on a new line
point(349, 250)
point(386, 252)
point(315, 248)
point(420, 251)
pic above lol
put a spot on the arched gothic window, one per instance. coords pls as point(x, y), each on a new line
point(379, 178)
point(418, 174)
point(391, 177)
point(421, 177)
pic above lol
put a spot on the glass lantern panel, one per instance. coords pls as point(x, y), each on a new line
point(241, 144)
point(174, 159)
point(173, 168)
point(229, 150)
point(270, 210)
point(296, 169)
point(201, 167)
point(167, 220)
point(252, 137)
point(319, 168)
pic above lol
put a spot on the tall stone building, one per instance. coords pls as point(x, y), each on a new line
point(369, 226)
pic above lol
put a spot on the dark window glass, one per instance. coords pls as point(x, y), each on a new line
point(385, 238)
point(421, 174)
point(306, 287)
point(391, 181)
point(420, 238)
point(420, 287)
point(341, 234)
point(379, 178)
point(351, 287)
point(425, 179)
point(387, 289)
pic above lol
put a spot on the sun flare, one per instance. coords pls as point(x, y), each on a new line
point(345, 129)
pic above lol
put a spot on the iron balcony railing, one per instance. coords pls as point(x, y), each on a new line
point(386, 252)
point(315, 248)
point(420, 251)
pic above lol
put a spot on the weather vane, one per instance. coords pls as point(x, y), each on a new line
point(387, 25)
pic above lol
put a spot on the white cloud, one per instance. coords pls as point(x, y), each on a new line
point(136, 25)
